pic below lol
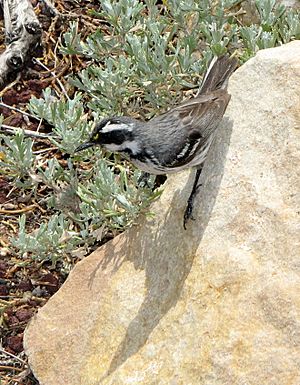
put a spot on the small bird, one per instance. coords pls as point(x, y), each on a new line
point(177, 139)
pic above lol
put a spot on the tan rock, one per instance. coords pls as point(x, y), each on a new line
point(290, 3)
point(217, 304)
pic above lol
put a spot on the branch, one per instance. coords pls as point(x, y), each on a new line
point(23, 35)
point(12, 130)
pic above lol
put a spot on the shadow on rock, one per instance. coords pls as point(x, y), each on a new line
point(165, 251)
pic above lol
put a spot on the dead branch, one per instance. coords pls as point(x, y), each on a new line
point(23, 35)
point(12, 130)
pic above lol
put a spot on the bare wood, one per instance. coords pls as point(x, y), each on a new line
point(13, 130)
point(19, 211)
point(23, 35)
point(18, 110)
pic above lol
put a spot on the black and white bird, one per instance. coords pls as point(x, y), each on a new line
point(175, 140)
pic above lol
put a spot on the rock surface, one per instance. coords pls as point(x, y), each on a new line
point(291, 3)
point(217, 304)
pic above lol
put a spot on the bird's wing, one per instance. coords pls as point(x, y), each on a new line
point(199, 118)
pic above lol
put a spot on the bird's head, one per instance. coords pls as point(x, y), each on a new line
point(115, 134)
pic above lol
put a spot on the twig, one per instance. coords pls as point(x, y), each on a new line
point(18, 110)
point(43, 211)
point(4, 302)
point(9, 86)
point(10, 225)
point(13, 130)
point(55, 13)
point(11, 368)
point(43, 150)
point(2, 243)
point(20, 211)
point(53, 74)
point(12, 355)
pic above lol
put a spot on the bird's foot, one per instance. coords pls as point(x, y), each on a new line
point(188, 214)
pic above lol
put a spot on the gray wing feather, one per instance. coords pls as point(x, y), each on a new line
point(191, 126)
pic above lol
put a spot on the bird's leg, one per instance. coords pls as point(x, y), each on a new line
point(190, 203)
point(143, 180)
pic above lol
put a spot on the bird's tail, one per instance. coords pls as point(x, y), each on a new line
point(218, 73)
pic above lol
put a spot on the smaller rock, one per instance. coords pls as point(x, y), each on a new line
point(3, 290)
point(24, 314)
point(25, 285)
point(3, 268)
point(12, 320)
point(50, 282)
point(39, 292)
point(15, 343)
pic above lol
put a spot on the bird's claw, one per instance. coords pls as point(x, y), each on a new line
point(190, 203)
point(188, 214)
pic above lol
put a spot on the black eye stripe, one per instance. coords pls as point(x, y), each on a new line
point(116, 137)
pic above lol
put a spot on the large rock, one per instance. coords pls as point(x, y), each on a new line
point(291, 3)
point(217, 304)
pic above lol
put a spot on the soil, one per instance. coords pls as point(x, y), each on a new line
point(26, 284)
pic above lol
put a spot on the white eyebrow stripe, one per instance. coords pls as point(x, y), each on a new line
point(114, 126)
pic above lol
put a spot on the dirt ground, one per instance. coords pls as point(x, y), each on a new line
point(26, 285)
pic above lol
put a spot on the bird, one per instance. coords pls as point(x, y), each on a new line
point(177, 139)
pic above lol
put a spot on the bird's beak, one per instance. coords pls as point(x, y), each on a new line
point(83, 146)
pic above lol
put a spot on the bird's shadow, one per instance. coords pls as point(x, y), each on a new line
point(167, 264)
